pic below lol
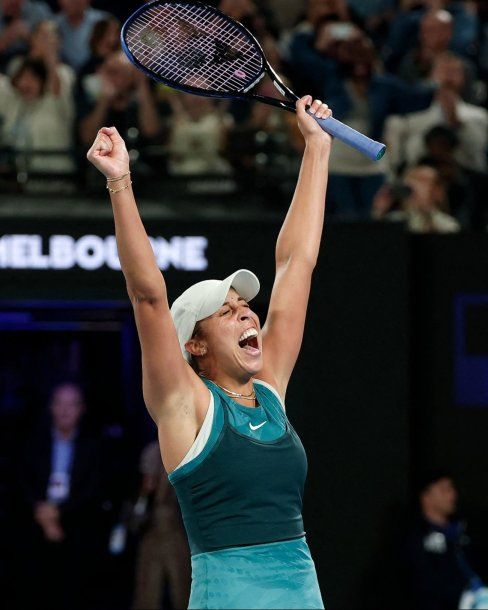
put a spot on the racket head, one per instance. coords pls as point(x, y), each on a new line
point(194, 48)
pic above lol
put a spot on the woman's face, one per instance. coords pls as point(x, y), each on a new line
point(233, 339)
point(110, 40)
point(29, 85)
point(46, 34)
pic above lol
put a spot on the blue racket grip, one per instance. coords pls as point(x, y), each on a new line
point(372, 149)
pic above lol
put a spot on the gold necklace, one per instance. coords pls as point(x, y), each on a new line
point(251, 396)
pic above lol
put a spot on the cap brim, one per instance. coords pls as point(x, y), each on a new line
point(243, 281)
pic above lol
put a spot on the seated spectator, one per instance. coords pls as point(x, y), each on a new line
point(198, 134)
point(119, 95)
point(437, 568)
point(44, 46)
point(466, 188)
point(37, 113)
point(341, 61)
point(404, 29)
point(406, 135)
point(76, 21)
point(17, 18)
point(104, 41)
point(60, 482)
point(419, 201)
point(163, 560)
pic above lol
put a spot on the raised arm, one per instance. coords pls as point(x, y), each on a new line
point(172, 391)
point(297, 250)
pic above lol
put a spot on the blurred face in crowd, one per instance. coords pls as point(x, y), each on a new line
point(197, 107)
point(28, 84)
point(237, 9)
point(108, 38)
point(44, 34)
point(427, 191)
point(74, 8)
point(440, 498)
point(450, 73)
point(436, 30)
point(319, 9)
point(11, 7)
point(120, 73)
point(67, 406)
point(348, 44)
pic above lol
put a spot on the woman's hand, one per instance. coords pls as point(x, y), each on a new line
point(109, 154)
point(309, 127)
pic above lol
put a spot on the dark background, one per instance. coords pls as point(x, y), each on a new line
point(373, 396)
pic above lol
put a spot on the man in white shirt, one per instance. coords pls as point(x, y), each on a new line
point(405, 135)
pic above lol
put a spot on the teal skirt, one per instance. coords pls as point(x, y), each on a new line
point(280, 575)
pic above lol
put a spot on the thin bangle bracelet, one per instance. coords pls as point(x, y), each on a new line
point(119, 178)
point(110, 190)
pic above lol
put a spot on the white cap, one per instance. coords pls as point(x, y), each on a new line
point(205, 298)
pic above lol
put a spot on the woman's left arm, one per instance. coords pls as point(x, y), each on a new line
point(297, 250)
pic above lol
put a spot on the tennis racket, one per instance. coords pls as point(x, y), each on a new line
point(196, 48)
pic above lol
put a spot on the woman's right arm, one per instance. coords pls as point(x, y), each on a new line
point(171, 388)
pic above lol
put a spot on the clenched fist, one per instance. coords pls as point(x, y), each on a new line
point(109, 153)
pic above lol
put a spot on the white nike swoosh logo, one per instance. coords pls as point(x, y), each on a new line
point(257, 427)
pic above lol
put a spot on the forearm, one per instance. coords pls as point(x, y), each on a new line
point(301, 232)
point(53, 81)
point(142, 275)
point(91, 123)
point(148, 114)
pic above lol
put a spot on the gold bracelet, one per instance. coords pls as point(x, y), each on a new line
point(110, 190)
point(119, 178)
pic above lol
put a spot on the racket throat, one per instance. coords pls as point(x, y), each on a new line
point(253, 84)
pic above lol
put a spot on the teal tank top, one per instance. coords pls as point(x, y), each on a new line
point(246, 487)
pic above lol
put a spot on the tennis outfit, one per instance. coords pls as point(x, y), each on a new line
point(240, 490)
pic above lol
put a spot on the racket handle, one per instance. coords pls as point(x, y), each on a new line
point(372, 149)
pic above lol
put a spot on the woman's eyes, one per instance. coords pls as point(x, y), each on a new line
point(226, 311)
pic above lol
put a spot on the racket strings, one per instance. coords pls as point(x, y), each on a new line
point(194, 46)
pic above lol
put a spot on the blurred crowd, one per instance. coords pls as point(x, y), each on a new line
point(409, 72)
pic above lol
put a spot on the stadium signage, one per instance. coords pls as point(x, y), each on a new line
point(93, 252)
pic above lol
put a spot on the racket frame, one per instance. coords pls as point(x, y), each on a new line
point(374, 150)
point(245, 95)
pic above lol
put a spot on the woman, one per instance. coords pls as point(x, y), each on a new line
point(36, 115)
point(237, 465)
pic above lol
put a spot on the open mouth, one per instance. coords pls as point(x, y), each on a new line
point(249, 341)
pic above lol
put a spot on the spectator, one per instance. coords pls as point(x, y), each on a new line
point(466, 187)
point(122, 96)
point(104, 41)
point(419, 202)
point(342, 67)
point(44, 46)
point(198, 135)
point(254, 16)
point(163, 560)
point(17, 18)
point(37, 113)
point(435, 554)
point(61, 486)
point(317, 11)
point(404, 29)
point(436, 31)
point(76, 21)
point(406, 135)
